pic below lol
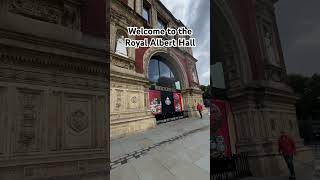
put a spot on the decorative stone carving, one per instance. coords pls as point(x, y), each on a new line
point(28, 133)
point(66, 13)
point(123, 64)
point(10, 55)
point(78, 121)
point(194, 74)
point(118, 99)
point(270, 51)
point(70, 17)
point(44, 10)
point(134, 99)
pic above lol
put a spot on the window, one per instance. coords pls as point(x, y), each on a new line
point(161, 23)
point(217, 76)
point(162, 75)
point(154, 71)
point(146, 13)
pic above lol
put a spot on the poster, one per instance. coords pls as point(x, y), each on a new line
point(155, 102)
point(177, 97)
point(219, 131)
point(167, 103)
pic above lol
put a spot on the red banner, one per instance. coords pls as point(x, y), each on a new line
point(220, 139)
point(177, 97)
point(155, 102)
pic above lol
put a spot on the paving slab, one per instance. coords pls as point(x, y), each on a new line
point(183, 158)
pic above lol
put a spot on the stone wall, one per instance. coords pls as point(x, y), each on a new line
point(53, 93)
point(262, 103)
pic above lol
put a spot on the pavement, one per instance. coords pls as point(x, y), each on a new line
point(304, 171)
point(177, 150)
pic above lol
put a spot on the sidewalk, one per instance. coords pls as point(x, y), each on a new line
point(171, 151)
point(126, 145)
point(303, 172)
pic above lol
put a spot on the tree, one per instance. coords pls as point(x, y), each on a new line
point(206, 94)
point(308, 91)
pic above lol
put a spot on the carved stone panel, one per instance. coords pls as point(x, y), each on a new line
point(65, 13)
point(28, 134)
point(122, 63)
point(78, 122)
point(48, 11)
point(55, 121)
point(118, 100)
point(134, 100)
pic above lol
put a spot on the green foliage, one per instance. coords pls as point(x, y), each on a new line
point(206, 91)
point(308, 91)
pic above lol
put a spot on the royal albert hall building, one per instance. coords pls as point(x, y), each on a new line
point(260, 104)
point(148, 84)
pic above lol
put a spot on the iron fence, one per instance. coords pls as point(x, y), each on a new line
point(230, 168)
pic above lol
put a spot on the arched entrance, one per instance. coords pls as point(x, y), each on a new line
point(228, 47)
point(165, 98)
point(231, 67)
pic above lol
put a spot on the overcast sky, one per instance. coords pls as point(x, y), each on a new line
point(195, 14)
point(299, 27)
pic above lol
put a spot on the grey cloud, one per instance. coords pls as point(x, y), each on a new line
point(299, 28)
point(196, 15)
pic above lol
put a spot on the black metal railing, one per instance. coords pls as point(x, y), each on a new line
point(222, 168)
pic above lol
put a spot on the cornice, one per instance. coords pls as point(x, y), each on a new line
point(19, 56)
point(49, 46)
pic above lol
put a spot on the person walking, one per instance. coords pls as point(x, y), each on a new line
point(287, 148)
point(200, 109)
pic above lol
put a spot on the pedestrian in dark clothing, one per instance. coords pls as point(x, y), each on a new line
point(200, 109)
point(287, 148)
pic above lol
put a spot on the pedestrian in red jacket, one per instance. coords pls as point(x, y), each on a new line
point(287, 148)
point(200, 109)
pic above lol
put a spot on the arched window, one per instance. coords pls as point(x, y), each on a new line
point(161, 74)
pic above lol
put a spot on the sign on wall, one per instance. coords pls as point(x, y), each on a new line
point(155, 102)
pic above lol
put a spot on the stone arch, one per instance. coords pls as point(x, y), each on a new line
point(173, 60)
point(241, 62)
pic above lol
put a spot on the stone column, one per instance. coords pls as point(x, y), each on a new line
point(191, 97)
point(260, 114)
